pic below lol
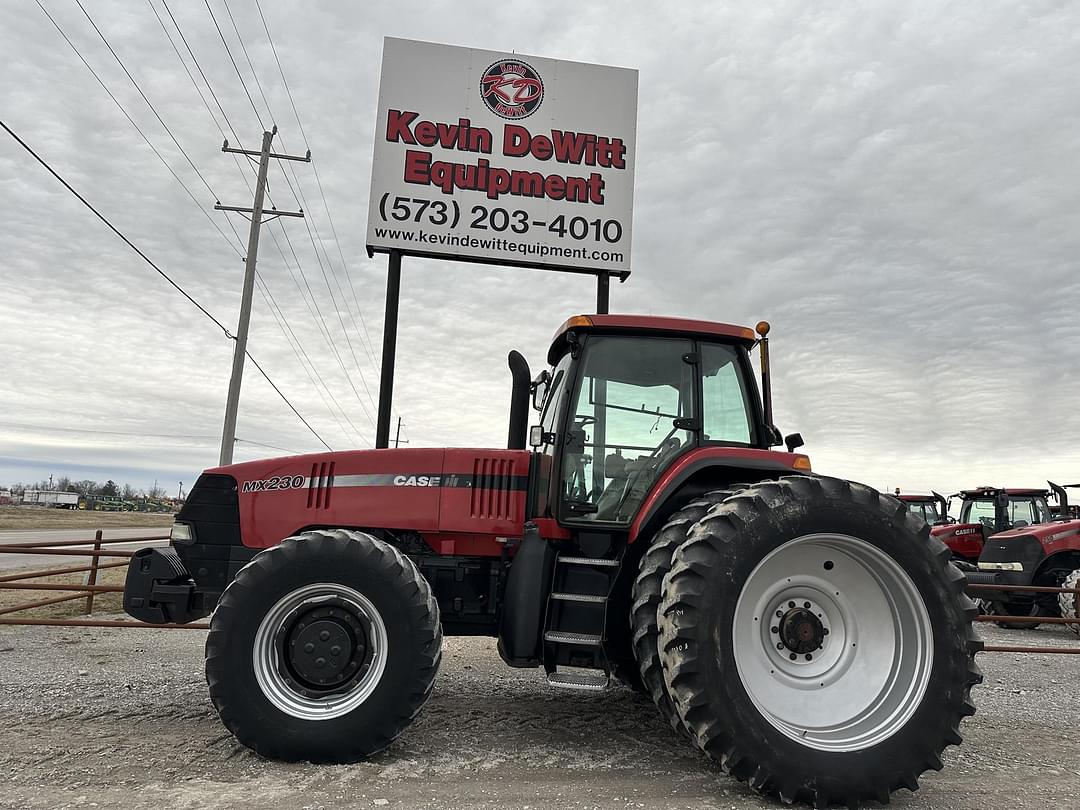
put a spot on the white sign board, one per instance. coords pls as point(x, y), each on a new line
point(503, 158)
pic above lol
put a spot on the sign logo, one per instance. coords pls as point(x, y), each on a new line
point(512, 89)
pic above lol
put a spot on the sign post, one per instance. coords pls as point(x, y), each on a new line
point(505, 159)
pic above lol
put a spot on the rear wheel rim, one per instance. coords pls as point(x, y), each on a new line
point(832, 642)
point(320, 651)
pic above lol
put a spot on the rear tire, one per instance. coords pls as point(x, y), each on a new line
point(1068, 604)
point(851, 719)
point(652, 569)
point(323, 648)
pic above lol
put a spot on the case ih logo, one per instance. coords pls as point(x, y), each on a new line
point(512, 89)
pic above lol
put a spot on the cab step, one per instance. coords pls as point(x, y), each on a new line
point(578, 639)
point(600, 561)
point(586, 680)
point(579, 597)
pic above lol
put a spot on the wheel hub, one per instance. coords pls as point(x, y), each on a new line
point(324, 649)
point(801, 631)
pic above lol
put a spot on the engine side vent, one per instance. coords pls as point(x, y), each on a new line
point(492, 486)
point(320, 485)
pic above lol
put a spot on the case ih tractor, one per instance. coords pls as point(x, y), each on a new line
point(805, 632)
point(933, 508)
point(986, 511)
point(1045, 554)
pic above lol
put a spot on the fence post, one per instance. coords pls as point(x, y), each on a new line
point(91, 577)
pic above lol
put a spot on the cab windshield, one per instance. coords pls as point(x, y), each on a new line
point(927, 510)
point(633, 410)
point(1022, 511)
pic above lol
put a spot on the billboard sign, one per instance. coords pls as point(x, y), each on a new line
point(503, 158)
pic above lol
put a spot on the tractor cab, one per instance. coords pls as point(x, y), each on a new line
point(986, 511)
point(630, 400)
point(933, 508)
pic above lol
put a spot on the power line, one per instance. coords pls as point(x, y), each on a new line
point(202, 97)
point(148, 104)
point(198, 67)
point(235, 66)
point(27, 426)
point(251, 66)
point(328, 334)
point(142, 134)
point(287, 330)
point(318, 179)
point(136, 434)
point(159, 271)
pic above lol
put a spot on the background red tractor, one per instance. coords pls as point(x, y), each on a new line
point(805, 632)
point(933, 508)
point(1045, 554)
point(985, 511)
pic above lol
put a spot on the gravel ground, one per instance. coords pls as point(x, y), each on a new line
point(109, 718)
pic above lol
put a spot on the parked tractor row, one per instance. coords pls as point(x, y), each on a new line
point(1012, 537)
point(93, 503)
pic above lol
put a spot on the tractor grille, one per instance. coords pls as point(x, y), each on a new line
point(492, 487)
point(320, 485)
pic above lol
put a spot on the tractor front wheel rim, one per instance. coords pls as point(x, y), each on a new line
point(320, 651)
point(832, 642)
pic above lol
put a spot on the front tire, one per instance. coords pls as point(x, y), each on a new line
point(817, 642)
point(323, 648)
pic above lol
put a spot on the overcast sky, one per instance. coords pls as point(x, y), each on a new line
point(892, 185)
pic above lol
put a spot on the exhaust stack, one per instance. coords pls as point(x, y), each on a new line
point(519, 402)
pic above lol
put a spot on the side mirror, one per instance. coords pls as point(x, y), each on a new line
point(539, 389)
point(793, 441)
point(536, 436)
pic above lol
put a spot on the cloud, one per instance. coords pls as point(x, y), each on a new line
point(892, 185)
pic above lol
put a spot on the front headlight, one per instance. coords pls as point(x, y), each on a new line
point(1001, 566)
point(182, 533)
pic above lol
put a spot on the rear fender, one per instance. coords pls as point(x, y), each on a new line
point(701, 471)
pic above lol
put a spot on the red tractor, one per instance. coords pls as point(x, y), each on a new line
point(986, 511)
point(1045, 554)
point(933, 508)
point(806, 632)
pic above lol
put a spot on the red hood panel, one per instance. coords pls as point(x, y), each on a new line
point(483, 490)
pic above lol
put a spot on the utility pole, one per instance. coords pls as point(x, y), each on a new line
point(228, 433)
point(397, 437)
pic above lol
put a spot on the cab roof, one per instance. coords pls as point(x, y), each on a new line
point(915, 497)
point(987, 492)
point(651, 324)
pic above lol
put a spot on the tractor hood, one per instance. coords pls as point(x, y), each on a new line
point(964, 540)
point(477, 490)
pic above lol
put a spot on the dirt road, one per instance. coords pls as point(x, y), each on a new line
point(113, 718)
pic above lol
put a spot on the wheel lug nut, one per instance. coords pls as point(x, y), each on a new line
point(792, 656)
point(779, 614)
point(825, 631)
point(791, 604)
point(324, 635)
point(779, 646)
point(335, 650)
point(309, 648)
point(320, 662)
point(776, 629)
point(806, 605)
point(809, 657)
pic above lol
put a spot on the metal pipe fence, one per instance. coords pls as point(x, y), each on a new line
point(975, 590)
point(98, 551)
